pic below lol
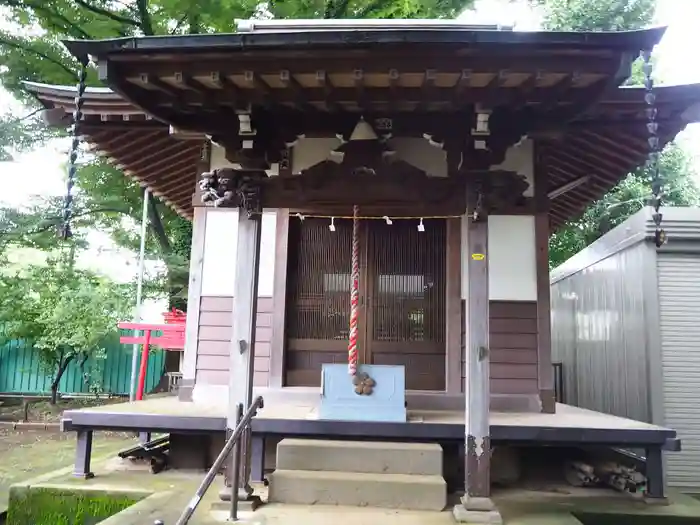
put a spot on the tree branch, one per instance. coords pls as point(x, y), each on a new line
point(340, 10)
point(376, 5)
point(71, 28)
point(55, 221)
point(145, 16)
point(108, 14)
point(157, 224)
point(179, 24)
point(21, 47)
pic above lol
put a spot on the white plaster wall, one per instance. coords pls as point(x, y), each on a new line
point(218, 158)
point(521, 159)
point(220, 245)
point(309, 152)
point(416, 151)
point(512, 258)
point(419, 153)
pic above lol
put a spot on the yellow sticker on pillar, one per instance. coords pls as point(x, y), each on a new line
point(478, 256)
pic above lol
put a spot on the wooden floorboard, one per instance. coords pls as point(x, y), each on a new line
point(567, 425)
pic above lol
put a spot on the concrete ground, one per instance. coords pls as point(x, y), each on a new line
point(172, 490)
point(529, 507)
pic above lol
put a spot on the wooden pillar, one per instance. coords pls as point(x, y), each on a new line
point(545, 372)
point(242, 357)
point(83, 455)
point(477, 483)
point(476, 387)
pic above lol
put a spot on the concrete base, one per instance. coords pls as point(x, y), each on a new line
point(477, 504)
point(398, 491)
point(462, 515)
point(246, 502)
point(250, 505)
point(662, 502)
point(477, 510)
point(360, 456)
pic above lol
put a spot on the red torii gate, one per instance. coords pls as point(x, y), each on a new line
point(172, 338)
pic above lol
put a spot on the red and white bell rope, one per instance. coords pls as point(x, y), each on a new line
point(354, 293)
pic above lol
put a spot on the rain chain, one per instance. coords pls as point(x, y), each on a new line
point(654, 149)
point(65, 230)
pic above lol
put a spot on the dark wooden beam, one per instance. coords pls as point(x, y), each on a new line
point(359, 94)
point(367, 96)
point(388, 190)
point(376, 61)
point(394, 88)
point(428, 89)
point(146, 79)
point(167, 156)
point(291, 83)
point(148, 146)
point(324, 83)
point(183, 80)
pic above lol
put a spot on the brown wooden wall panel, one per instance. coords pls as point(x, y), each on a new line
point(513, 346)
point(214, 343)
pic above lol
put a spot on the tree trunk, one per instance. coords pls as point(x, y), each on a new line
point(62, 366)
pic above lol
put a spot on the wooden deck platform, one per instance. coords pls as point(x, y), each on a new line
point(570, 425)
point(287, 416)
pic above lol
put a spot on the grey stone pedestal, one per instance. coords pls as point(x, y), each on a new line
point(477, 510)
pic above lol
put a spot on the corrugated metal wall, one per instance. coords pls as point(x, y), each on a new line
point(599, 334)
point(21, 372)
point(679, 305)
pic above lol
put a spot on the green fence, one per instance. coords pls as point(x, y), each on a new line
point(21, 372)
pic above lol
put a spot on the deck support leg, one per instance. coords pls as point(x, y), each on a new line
point(655, 476)
point(144, 437)
point(257, 471)
point(242, 356)
point(476, 505)
point(83, 455)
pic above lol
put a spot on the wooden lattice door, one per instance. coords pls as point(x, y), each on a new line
point(318, 298)
point(406, 274)
point(402, 298)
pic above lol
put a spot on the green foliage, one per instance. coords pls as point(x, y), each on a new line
point(597, 15)
point(67, 313)
point(635, 190)
point(54, 506)
point(21, 134)
point(626, 199)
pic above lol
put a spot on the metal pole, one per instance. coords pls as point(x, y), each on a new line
point(139, 293)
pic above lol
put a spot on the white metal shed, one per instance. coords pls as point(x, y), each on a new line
point(626, 328)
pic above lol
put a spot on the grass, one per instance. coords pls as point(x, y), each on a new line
point(28, 454)
point(59, 506)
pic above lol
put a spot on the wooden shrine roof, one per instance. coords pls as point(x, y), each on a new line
point(199, 82)
point(592, 154)
point(425, 78)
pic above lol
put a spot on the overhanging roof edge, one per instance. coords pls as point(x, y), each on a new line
point(626, 94)
point(623, 40)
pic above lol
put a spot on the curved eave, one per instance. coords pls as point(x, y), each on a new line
point(604, 146)
point(349, 38)
point(168, 167)
point(609, 143)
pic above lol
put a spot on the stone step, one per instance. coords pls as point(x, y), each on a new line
point(396, 491)
point(360, 456)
